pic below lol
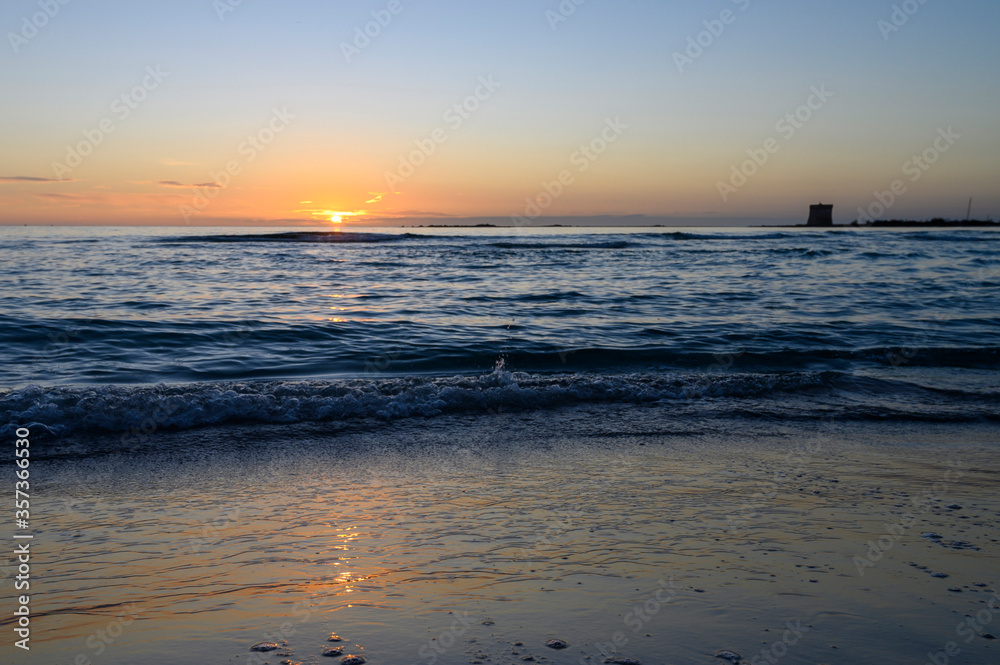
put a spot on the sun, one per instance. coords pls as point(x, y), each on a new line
point(336, 219)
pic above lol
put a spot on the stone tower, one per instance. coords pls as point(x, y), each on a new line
point(820, 215)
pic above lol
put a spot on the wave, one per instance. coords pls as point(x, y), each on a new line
point(150, 351)
point(684, 235)
point(778, 359)
point(349, 346)
point(957, 235)
point(613, 244)
point(298, 237)
point(136, 410)
point(614, 241)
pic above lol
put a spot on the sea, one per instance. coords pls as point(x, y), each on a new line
point(440, 446)
point(111, 331)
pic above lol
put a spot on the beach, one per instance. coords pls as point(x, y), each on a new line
point(481, 538)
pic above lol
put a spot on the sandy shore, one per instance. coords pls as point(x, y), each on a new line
point(620, 531)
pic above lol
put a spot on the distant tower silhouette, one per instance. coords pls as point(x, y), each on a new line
point(820, 215)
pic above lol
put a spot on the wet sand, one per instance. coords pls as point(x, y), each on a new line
point(620, 531)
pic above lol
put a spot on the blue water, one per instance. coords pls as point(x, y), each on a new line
point(110, 330)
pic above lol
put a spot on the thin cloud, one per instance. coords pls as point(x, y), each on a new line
point(174, 183)
point(417, 213)
point(28, 178)
point(70, 197)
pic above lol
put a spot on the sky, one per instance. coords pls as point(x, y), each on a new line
point(300, 112)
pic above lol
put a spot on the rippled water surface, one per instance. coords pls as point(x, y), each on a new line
point(284, 326)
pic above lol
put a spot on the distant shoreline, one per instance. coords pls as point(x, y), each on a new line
point(888, 223)
point(894, 223)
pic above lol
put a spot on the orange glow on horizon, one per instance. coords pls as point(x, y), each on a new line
point(336, 217)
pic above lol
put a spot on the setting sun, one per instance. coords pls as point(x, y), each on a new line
point(336, 219)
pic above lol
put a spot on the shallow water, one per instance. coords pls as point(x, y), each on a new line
point(449, 541)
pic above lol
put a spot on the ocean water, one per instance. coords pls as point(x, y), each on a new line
point(126, 330)
point(452, 445)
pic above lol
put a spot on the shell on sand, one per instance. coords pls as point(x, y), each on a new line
point(727, 654)
point(556, 644)
point(265, 646)
point(353, 660)
point(333, 651)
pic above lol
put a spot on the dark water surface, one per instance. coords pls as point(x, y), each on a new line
point(108, 330)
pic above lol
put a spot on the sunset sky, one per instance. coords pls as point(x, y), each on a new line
point(260, 112)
